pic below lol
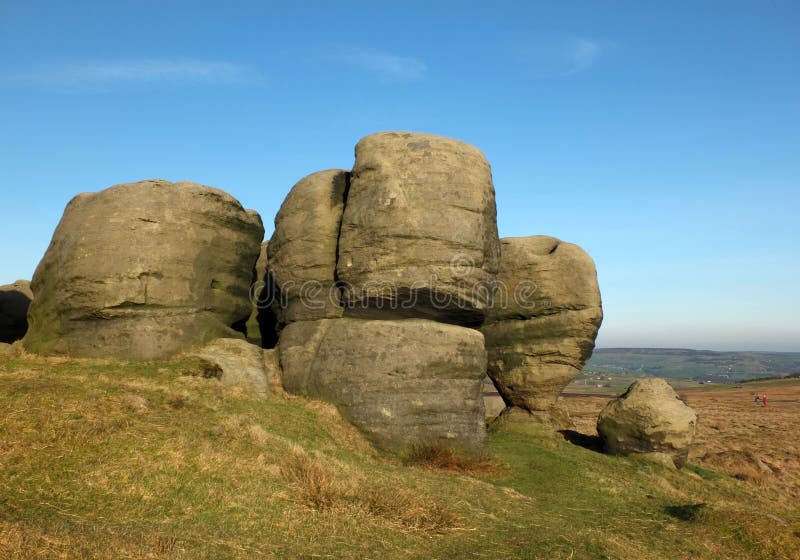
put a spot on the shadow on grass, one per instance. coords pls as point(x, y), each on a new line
point(687, 512)
point(592, 443)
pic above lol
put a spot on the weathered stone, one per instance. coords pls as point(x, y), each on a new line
point(493, 403)
point(14, 302)
point(398, 381)
point(241, 364)
point(543, 322)
point(658, 458)
point(303, 248)
point(144, 271)
point(419, 231)
point(556, 416)
point(272, 370)
point(648, 418)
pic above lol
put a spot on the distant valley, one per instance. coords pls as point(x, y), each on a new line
point(697, 365)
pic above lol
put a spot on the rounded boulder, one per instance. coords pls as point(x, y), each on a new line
point(648, 418)
point(143, 271)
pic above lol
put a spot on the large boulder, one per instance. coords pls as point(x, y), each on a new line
point(419, 231)
point(543, 322)
point(303, 248)
point(14, 302)
point(398, 381)
point(648, 418)
point(143, 271)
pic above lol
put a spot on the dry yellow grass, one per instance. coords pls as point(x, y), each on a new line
point(757, 444)
point(131, 461)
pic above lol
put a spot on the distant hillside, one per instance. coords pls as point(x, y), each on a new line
point(694, 364)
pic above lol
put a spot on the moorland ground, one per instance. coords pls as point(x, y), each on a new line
point(102, 459)
point(756, 443)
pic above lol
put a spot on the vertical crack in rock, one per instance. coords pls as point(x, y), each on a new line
point(337, 282)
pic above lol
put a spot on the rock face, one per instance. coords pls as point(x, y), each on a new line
point(419, 231)
point(143, 271)
point(398, 381)
point(543, 322)
point(241, 364)
point(303, 248)
point(14, 302)
point(648, 418)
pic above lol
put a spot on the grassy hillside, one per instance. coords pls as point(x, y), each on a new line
point(112, 460)
point(694, 364)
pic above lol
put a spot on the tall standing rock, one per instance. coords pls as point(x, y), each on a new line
point(14, 302)
point(143, 271)
point(648, 418)
point(545, 316)
point(419, 231)
point(303, 248)
point(398, 381)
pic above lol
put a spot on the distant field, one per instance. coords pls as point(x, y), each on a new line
point(593, 383)
point(698, 365)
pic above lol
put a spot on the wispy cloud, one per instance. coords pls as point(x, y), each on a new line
point(386, 66)
point(105, 76)
point(565, 56)
point(581, 53)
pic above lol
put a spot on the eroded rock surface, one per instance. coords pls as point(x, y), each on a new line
point(419, 231)
point(303, 248)
point(648, 418)
point(240, 364)
point(398, 381)
point(543, 322)
point(143, 271)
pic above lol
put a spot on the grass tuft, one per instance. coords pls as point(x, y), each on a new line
point(319, 488)
point(435, 456)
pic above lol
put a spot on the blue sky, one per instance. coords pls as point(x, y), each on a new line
point(663, 137)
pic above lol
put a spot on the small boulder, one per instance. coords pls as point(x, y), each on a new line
point(239, 363)
point(419, 231)
point(398, 381)
point(144, 271)
point(14, 302)
point(648, 418)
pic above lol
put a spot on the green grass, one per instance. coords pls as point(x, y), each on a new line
point(110, 460)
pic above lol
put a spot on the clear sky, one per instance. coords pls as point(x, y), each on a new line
point(663, 137)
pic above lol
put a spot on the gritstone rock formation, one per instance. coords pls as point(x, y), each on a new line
point(398, 381)
point(303, 248)
point(143, 271)
point(14, 302)
point(648, 418)
point(543, 322)
point(419, 231)
point(369, 293)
